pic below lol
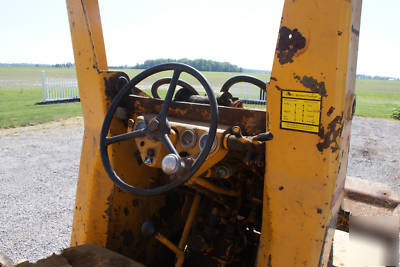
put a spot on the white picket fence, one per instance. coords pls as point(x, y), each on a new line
point(54, 90)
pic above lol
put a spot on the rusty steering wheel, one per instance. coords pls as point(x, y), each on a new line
point(183, 169)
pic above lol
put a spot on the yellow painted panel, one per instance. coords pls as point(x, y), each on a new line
point(315, 59)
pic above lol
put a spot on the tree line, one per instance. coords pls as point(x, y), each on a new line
point(200, 64)
point(369, 77)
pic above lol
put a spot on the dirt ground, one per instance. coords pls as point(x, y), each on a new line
point(375, 151)
point(39, 169)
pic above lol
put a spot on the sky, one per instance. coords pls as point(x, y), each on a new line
point(241, 32)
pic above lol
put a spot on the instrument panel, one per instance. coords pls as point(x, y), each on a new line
point(189, 139)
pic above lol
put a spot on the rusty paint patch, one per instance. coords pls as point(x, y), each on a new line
point(127, 237)
point(330, 111)
point(109, 202)
point(312, 84)
point(136, 202)
point(138, 157)
point(331, 137)
point(126, 211)
point(280, 89)
point(269, 260)
point(289, 43)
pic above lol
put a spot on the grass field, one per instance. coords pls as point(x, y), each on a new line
point(17, 108)
point(20, 89)
point(377, 98)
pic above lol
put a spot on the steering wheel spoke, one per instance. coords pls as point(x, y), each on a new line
point(170, 94)
point(125, 136)
point(168, 145)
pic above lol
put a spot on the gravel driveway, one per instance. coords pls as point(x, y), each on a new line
point(39, 169)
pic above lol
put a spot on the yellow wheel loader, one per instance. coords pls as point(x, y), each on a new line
point(198, 179)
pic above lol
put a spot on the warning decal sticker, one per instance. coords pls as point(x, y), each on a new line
point(300, 111)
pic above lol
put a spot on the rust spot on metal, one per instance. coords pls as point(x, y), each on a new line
point(289, 43)
point(277, 87)
point(126, 211)
point(331, 137)
point(138, 157)
point(355, 31)
point(269, 260)
point(109, 201)
point(330, 111)
point(312, 84)
point(136, 202)
point(127, 237)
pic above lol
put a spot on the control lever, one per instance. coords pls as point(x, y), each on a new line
point(149, 230)
point(252, 146)
point(237, 136)
point(263, 137)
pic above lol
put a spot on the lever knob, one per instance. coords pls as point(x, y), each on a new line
point(171, 164)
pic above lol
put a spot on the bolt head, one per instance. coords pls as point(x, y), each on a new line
point(153, 124)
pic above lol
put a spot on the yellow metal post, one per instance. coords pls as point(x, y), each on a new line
point(310, 104)
point(90, 219)
point(105, 215)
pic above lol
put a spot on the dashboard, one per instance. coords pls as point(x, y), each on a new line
point(188, 137)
